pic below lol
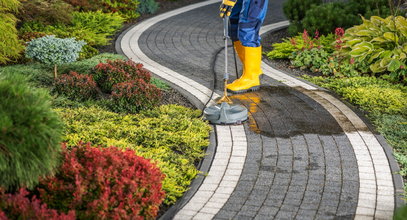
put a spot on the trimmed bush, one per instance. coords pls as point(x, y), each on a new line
point(326, 17)
point(104, 183)
point(98, 22)
point(45, 11)
point(173, 136)
point(133, 96)
point(54, 51)
point(10, 47)
point(76, 86)
point(295, 11)
point(30, 134)
point(117, 71)
point(147, 7)
point(20, 206)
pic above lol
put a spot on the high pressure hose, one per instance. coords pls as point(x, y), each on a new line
point(213, 65)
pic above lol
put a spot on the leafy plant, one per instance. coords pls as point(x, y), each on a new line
point(86, 66)
point(76, 86)
point(54, 51)
point(117, 71)
point(299, 42)
point(104, 183)
point(45, 11)
point(381, 43)
point(172, 136)
point(20, 206)
point(10, 47)
point(313, 59)
point(30, 133)
point(134, 95)
point(147, 7)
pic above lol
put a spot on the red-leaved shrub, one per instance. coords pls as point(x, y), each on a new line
point(104, 183)
point(117, 71)
point(76, 86)
point(19, 206)
point(135, 95)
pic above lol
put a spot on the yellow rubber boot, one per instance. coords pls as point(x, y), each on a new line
point(250, 79)
point(239, 49)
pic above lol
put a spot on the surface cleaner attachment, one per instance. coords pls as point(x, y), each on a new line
point(224, 112)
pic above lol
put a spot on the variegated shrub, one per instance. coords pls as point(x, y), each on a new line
point(381, 43)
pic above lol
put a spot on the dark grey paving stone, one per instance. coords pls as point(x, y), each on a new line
point(298, 157)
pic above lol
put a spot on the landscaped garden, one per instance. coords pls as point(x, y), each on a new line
point(84, 134)
point(358, 49)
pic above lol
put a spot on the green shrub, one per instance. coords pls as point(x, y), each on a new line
point(54, 51)
point(10, 47)
point(92, 27)
point(134, 95)
point(126, 8)
point(171, 135)
point(99, 22)
point(147, 7)
point(369, 8)
point(394, 129)
point(326, 17)
point(76, 86)
point(30, 133)
point(45, 11)
point(381, 44)
point(295, 11)
point(88, 52)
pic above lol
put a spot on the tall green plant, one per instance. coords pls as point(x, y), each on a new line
point(10, 47)
point(30, 133)
point(295, 11)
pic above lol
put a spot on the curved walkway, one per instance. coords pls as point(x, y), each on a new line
point(303, 154)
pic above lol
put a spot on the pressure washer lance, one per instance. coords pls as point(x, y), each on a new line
point(224, 112)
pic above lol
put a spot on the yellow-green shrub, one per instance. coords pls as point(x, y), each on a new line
point(371, 94)
point(171, 135)
point(10, 47)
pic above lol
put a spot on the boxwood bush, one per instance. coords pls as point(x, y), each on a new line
point(30, 133)
point(172, 136)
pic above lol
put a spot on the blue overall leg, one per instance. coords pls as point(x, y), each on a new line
point(246, 19)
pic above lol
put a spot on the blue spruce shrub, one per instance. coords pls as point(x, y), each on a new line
point(51, 50)
point(147, 7)
point(30, 133)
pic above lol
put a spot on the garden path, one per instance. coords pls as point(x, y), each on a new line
point(304, 154)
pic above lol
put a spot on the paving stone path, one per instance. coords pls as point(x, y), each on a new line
point(303, 154)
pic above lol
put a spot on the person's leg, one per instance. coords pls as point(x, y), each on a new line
point(234, 26)
point(251, 18)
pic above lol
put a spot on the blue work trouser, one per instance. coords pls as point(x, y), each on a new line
point(246, 19)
